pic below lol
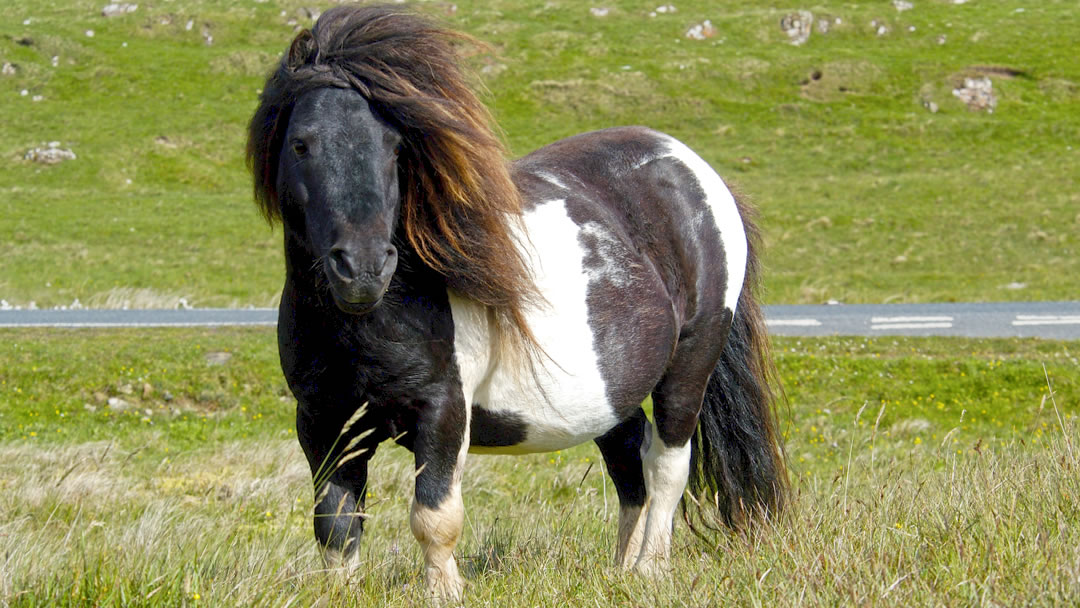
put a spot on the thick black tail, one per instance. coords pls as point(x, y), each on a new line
point(738, 465)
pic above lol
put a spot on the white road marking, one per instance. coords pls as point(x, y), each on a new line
point(884, 326)
point(792, 323)
point(1047, 320)
point(910, 322)
point(909, 319)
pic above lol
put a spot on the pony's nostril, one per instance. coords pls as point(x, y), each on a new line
point(388, 259)
point(342, 263)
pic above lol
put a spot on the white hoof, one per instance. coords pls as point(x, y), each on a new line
point(444, 585)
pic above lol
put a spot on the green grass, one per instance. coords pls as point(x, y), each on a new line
point(160, 468)
point(866, 196)
point(926, 471)
point(60, 384)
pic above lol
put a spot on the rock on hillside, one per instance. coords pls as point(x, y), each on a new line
point(978, 94)
point(118, 8)
point(51, 154)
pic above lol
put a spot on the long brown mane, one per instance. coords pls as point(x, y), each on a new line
point(458, 202)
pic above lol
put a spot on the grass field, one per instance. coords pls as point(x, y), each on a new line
point(927, 472)
point(160, 468)
point(867, 196)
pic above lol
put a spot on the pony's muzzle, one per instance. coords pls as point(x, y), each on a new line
point(358, 280)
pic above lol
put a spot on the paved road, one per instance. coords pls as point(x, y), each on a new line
point(1053, 320)
point(197, 317)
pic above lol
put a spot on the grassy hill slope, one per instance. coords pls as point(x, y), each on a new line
point(866, 194)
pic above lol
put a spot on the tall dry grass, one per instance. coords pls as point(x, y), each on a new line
point(90, 525)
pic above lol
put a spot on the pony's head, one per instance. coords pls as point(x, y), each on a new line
point(367, 136)
point(337, 185)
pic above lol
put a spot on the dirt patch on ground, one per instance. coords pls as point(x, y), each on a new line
point(995, 73)
point(172, 142)
point(583, 95)
point(556, 41)
point(837, 79)
point(1059, 89)
point(748, 69)
point(244, 63)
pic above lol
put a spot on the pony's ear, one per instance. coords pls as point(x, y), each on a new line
point(302, 51)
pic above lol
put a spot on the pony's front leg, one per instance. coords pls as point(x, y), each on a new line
point(438, 515)
point(339, 476)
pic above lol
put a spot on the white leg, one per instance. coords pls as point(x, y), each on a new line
point(666, 471)
point(335, 560)
point(438, 531)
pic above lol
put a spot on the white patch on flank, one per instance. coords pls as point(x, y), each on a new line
point(614, 267)
point(724, 212)
point(666, 471)
point(472, 344)
point(565, 402)
point(551, 179)
point(644, 161)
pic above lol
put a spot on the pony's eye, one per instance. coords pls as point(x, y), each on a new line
point(299, 148)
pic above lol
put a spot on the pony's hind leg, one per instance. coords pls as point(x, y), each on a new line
point(677, 402)
point(666, 470)
point(622, 448)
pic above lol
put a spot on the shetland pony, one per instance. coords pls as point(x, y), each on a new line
point(439, 296)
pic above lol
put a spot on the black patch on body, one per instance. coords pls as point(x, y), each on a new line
point(492, 429)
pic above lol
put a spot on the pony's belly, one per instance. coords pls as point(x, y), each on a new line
point(562, 418)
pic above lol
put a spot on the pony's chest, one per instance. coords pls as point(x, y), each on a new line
point(396, 354)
